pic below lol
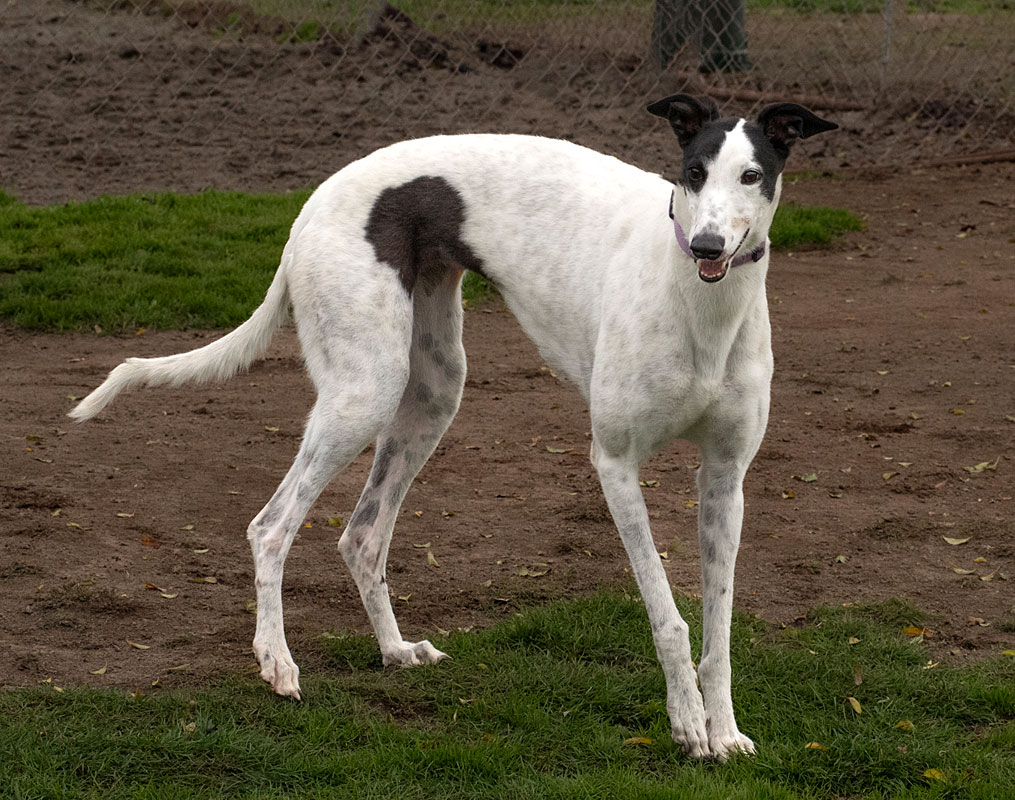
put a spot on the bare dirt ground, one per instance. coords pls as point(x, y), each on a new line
point(892, 427)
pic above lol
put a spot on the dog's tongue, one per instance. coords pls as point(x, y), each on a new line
point(712, 270)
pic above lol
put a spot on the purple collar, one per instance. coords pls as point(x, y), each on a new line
point(754, 256)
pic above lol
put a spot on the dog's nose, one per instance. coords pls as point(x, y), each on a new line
point(707, 246)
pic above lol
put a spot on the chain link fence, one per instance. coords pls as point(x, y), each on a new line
point(125, 95)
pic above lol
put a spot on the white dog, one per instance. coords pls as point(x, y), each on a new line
point(649, 297)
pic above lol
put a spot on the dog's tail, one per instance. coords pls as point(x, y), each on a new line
point(217, 361)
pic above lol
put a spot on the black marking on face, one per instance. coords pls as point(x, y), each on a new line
point(768, 159)
point(416, 229)
point(702, 151)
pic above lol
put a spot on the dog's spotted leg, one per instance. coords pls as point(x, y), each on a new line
point(429, 403)
point(619, 479)
point(346, 417)
point(720, 516)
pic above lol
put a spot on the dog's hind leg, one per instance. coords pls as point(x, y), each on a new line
point(353, 405)
point(429, 403)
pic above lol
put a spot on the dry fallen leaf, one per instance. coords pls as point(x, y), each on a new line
point(950, 540)
point(335, 522)
point(983, 465)
point(853, 640)
point(139, 646)
point(936, 775)
point(535, 571)
point(205, 579)
point(430, 559)
point(124, 515)
point(905, 725)
point(99, 671)
point(960, 571)
point(554, 450)
point(913, 630)
point(854, 704)
point(638, 740)
point(814, 746)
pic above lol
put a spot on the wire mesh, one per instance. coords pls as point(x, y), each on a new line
point(111, 95)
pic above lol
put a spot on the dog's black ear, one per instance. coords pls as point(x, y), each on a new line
point(686, 114)
point(784, 123)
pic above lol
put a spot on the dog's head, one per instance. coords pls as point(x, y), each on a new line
point(731, 173)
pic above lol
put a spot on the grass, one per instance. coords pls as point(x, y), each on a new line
point(541, 706)
point(167, 261)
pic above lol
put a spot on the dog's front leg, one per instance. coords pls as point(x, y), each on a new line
point(619, 478)
point(720, 517)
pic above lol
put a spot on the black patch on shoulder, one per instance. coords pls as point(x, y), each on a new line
point(767, 157)
point(416, 229)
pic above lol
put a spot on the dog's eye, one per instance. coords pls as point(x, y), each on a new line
point(696, 175)
point(750, 177)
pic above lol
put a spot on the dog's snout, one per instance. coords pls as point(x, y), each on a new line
point(707, 246)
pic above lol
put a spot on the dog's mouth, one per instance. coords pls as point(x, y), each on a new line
point(712, 271)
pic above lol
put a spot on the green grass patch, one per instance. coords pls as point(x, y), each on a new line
point(541, 706)
point(796, 226)
point(167, 261)
point(155, 261)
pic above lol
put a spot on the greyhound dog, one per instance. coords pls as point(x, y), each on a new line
point(649, 296)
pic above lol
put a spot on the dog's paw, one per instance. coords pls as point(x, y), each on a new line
point(687, 724)
point(279, 669)
point(722, 747)
point(411, 654)
point(692, 740)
